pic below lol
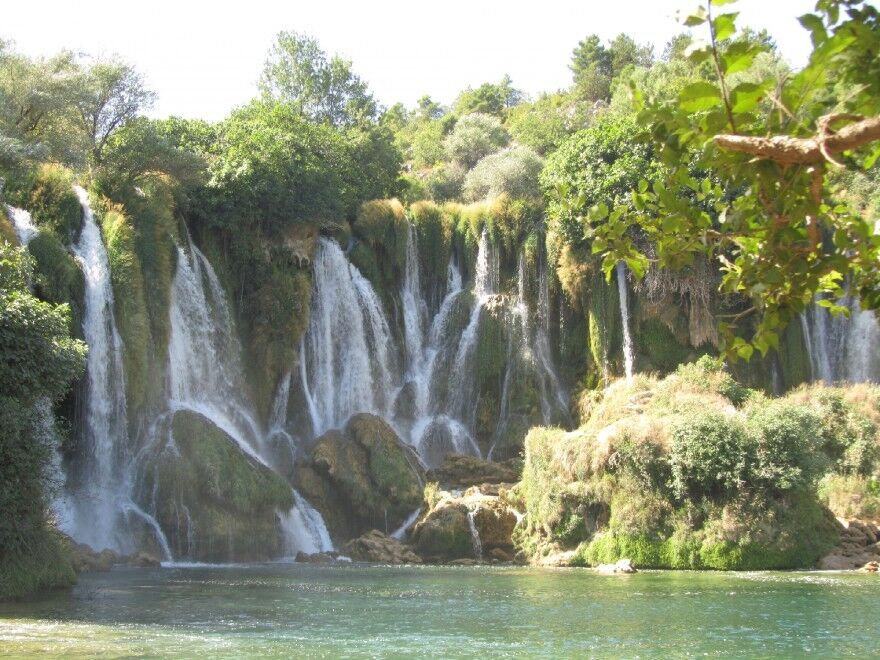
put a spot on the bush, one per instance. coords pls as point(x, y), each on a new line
point(785, 447)
point(513, 171)
point(708, 455)
point(47, 193)
point(444, 182)
point(475, 136)
point(851, 496)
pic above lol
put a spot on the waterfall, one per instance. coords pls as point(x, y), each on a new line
point(423, 378)
point(842, 349)
point(347, 364)
point(205, 372)
point(475, 536)
point(105, 428)
point(400, 532)
point(25, 229)
point(415, 309)
point(628, 357)
point(206, 375)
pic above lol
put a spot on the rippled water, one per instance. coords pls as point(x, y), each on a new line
point(284, 610)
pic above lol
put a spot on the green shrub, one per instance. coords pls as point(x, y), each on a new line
point(851, 496)
point(58, 278)
point(47, 193)
point(784, 451)
point(475, 136)
point(513, 171)
point(708, 455)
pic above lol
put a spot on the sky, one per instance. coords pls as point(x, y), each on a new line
point(204, 58)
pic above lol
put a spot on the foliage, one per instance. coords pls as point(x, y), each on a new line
point(491, 99)
point(475, 136)
point(513, 171)
point(542, 125)
point(112, 93)
point(297, 71)
point(598, 166)
point(40, 360)
point(766, 213)
point(47, 193)
point(595, 66)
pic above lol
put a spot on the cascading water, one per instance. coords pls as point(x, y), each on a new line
point(347, 365)
point(840, 348)
point(628, 355)
point(96, 498)
point(205, 375)
point(25, 229)
point(427, 389)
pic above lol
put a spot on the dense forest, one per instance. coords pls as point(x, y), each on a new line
point(645, 299)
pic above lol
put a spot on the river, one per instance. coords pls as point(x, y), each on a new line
point(283, 610)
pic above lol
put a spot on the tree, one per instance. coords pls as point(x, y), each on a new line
point(542, 125)
point(112, 93)
point(591, 68)
point(299, 72)
point(475, 136)
point(488, 98)
point(512, 171)
point(766, 211)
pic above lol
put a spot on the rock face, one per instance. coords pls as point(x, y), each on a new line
point(376, 547)
point(620, 567)
point(858, 547)
point(361, 478)
point(215, 502)
point(469, 526)
point(462, 471)
point(86, 560)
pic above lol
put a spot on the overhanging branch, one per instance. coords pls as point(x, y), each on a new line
point(788, 150)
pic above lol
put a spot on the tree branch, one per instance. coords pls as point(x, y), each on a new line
point(788, 150)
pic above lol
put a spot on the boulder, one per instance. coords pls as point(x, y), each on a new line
point(620, 567)
point(857, 547)
point(379, 548)
point(317, 557)
point(214, 501)
point(462, 471)
point(360, 478)
point(871, 567)
point(86, 560)
point(445, 534)
point(143, 560)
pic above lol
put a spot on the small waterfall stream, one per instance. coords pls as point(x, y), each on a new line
point(25, 229)
point(628, 354)
point(841, 348)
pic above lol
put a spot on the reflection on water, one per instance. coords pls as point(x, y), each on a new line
point(281, 610)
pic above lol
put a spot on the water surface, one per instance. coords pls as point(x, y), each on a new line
point(280, 610)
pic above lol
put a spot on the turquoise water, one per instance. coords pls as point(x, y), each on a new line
point(283, 610)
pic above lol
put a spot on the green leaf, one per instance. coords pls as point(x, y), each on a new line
point(745, 351)
point(738, 57)
point(699, 96)
point(746, 96)
point(725, 25)
point(698, 17)
point(814, 24)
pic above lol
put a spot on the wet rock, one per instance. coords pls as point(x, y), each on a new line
point(215, 502)
point(316, 557)
point(376, 547)
point(462, 471)
point(86, 560)
point(871, 567)
point(465, 561)
point(444, 533)
point(360, 478)
point(857, 547)
point(501, 556)
point(557, 559)
point(143, 560)
point(621, 567)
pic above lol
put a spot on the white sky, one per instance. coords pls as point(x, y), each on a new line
point(204, 58)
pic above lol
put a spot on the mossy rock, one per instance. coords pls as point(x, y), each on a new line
point(214, 501)
point(361, 478)
point(47, 194)
point(444, 533)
